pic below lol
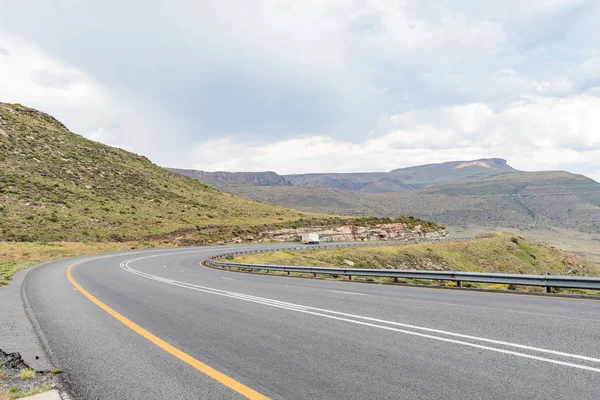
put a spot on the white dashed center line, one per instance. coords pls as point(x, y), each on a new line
point(341, 291)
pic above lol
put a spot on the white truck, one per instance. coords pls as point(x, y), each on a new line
point(310, 238)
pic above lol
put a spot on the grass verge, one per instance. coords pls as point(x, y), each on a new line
point(16, 256)
point(498, 253)
point(16, 393)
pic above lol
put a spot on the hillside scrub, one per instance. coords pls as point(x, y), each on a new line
point(59, 186)
point(502, 253)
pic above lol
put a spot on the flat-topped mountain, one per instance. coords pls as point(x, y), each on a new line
point(404, 179)
point(267, 178)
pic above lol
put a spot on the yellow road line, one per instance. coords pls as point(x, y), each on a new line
point(200, 366)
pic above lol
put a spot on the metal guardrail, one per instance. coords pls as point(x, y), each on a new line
point(548, 281)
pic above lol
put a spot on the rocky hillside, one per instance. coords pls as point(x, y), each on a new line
point(56, 185)
point(331, 229)
point(219, 178)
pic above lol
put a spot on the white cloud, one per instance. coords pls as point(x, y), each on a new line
point(30, 76)
point(543, 133)
point(312, 85)
point(33, 78)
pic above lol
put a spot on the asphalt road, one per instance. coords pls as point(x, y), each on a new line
point(294, 338)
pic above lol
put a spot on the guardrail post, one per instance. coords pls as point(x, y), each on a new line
point(395, 279)
point(349, 277)
point(548, 289)
point(458, 283)
point(315, 274)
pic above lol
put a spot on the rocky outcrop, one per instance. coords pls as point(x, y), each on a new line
point(267, 178)
point(347, 233)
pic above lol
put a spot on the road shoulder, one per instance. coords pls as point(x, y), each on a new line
point(17, 334)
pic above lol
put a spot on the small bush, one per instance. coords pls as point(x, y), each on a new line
point(27, 374)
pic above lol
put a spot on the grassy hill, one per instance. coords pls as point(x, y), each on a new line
point(519, 200)
point(502, 253)
point(58, 186)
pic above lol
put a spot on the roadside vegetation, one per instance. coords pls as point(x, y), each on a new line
point(17, 380)
point(16, 256)
point(15, 392)
point(501, 253)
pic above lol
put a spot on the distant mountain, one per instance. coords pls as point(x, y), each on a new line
point(427, 175)
point(517, 199)
point(268, 178)
point(404, 179)
point(398, 180)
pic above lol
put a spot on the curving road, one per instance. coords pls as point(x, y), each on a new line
point(157, 325)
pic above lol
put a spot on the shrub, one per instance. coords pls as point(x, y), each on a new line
point(27, 374)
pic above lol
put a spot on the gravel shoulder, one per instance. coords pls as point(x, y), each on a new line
point(21, 349)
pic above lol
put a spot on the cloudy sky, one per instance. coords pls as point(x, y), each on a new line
point(315, 85)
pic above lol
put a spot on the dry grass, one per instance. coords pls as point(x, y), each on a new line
point(27, 374)
point(503, 253)
point(16, 256)
point(16, 393)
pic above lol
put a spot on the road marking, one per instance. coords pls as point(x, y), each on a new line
point(360, 320)
point(225, 277)
point(341, 291)
point(200, 366)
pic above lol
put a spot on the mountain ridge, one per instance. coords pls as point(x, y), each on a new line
point(397, 180)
